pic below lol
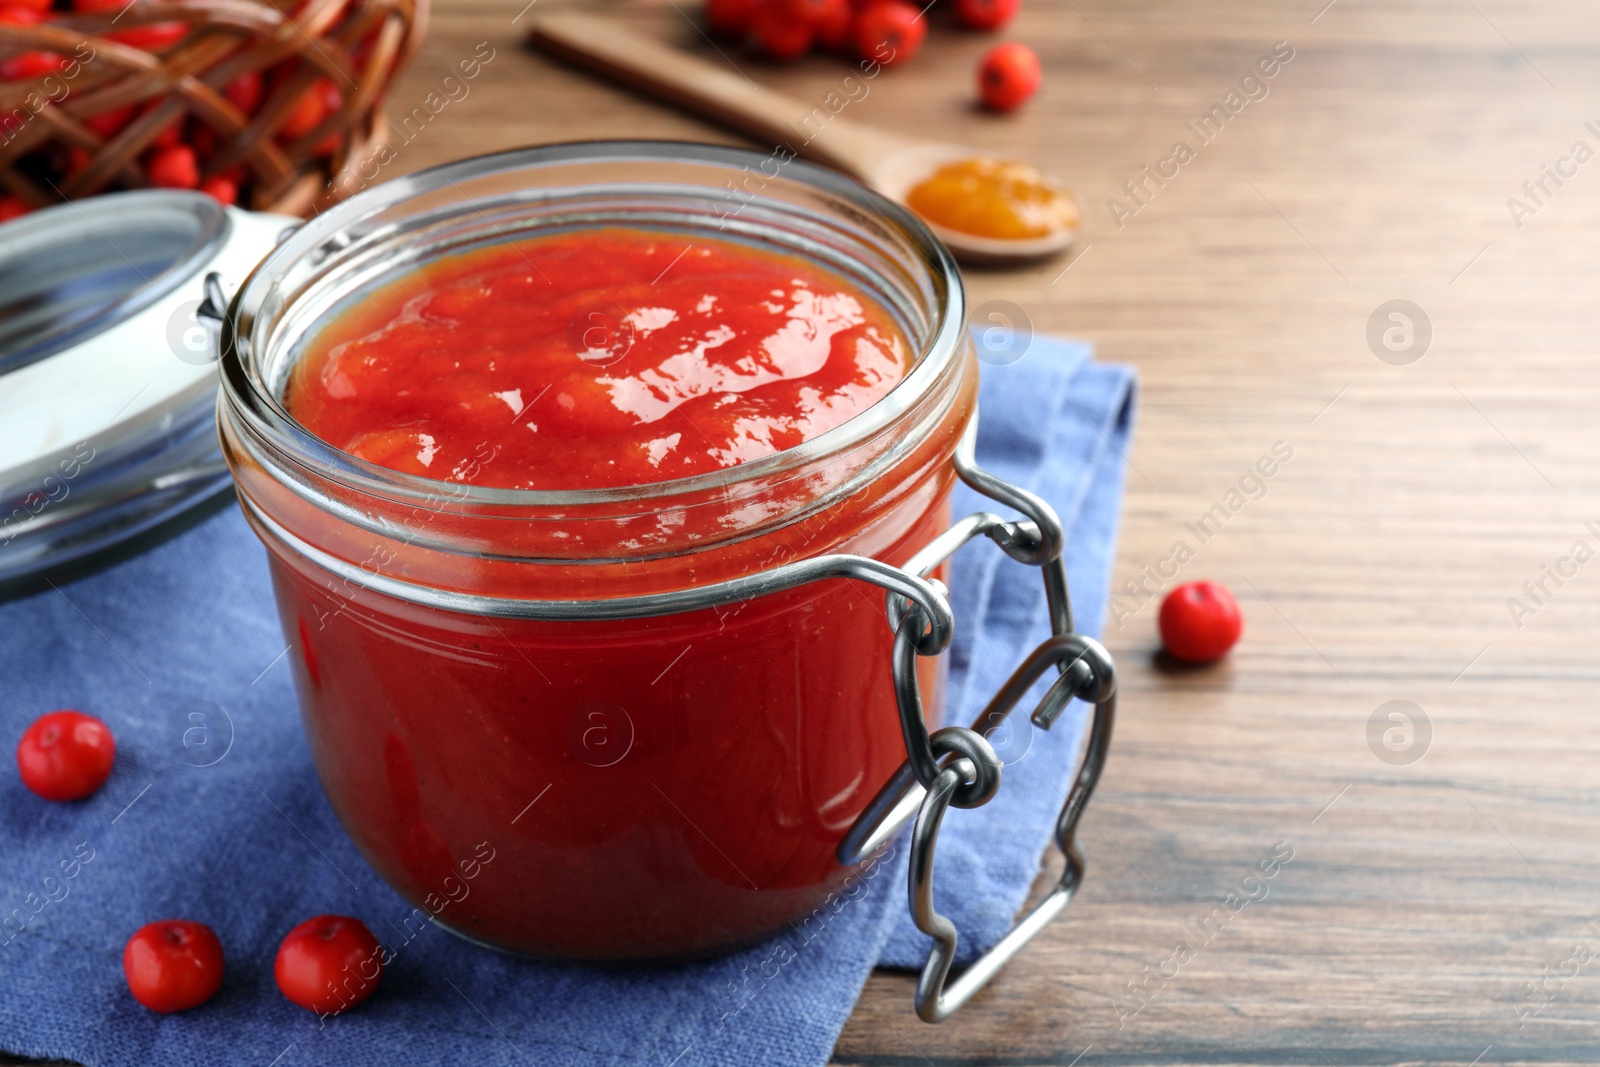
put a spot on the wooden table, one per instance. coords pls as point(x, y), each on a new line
point(1441, 903)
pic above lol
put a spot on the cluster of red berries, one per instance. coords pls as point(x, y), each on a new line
point(38, 64)
point(326, 964)
point(178, 157)
point(886, 32)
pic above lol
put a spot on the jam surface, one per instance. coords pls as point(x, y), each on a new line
point(594, 359)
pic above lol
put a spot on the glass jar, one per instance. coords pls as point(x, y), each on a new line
point(590, 723)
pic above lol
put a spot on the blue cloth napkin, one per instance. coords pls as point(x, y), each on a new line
point(214, 813)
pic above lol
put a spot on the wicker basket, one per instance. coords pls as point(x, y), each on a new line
point(356, 45)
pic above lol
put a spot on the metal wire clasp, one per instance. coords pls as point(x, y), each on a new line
point(956, 766)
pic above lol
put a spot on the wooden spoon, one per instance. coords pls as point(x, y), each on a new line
point(891, 164)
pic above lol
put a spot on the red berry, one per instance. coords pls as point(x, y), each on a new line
point(328, 145)
point(1200, 621)
point(985, 14)
point(152, 38)
point(173, 168)
point(66, 755)
point(890, 32)
point(109, 123)
point(83, 7)
point(779, 33)
point(731, 17)
point(41, 6)
point(329, 963)
point(835, 23)
point(12, 207)
point(244, 92)
point(173, 965)
point(314, 105)
point(30, 65)
point(223, 189)
point(811, 12)
point(78, 160)
point(1007, 76)
point(20, 14)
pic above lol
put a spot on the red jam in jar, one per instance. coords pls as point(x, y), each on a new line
point(596, 358)
point(478, 429)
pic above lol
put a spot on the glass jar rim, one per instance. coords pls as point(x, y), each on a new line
point(251, 398)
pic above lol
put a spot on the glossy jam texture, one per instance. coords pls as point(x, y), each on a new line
point(594, 359)
point(994, 198)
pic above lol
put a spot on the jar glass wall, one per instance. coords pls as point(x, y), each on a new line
point(491, 673)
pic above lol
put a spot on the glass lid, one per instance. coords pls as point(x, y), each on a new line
point(76, 269)
point(107, 376)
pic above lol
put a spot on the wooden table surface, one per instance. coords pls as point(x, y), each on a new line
point(1442, 904)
